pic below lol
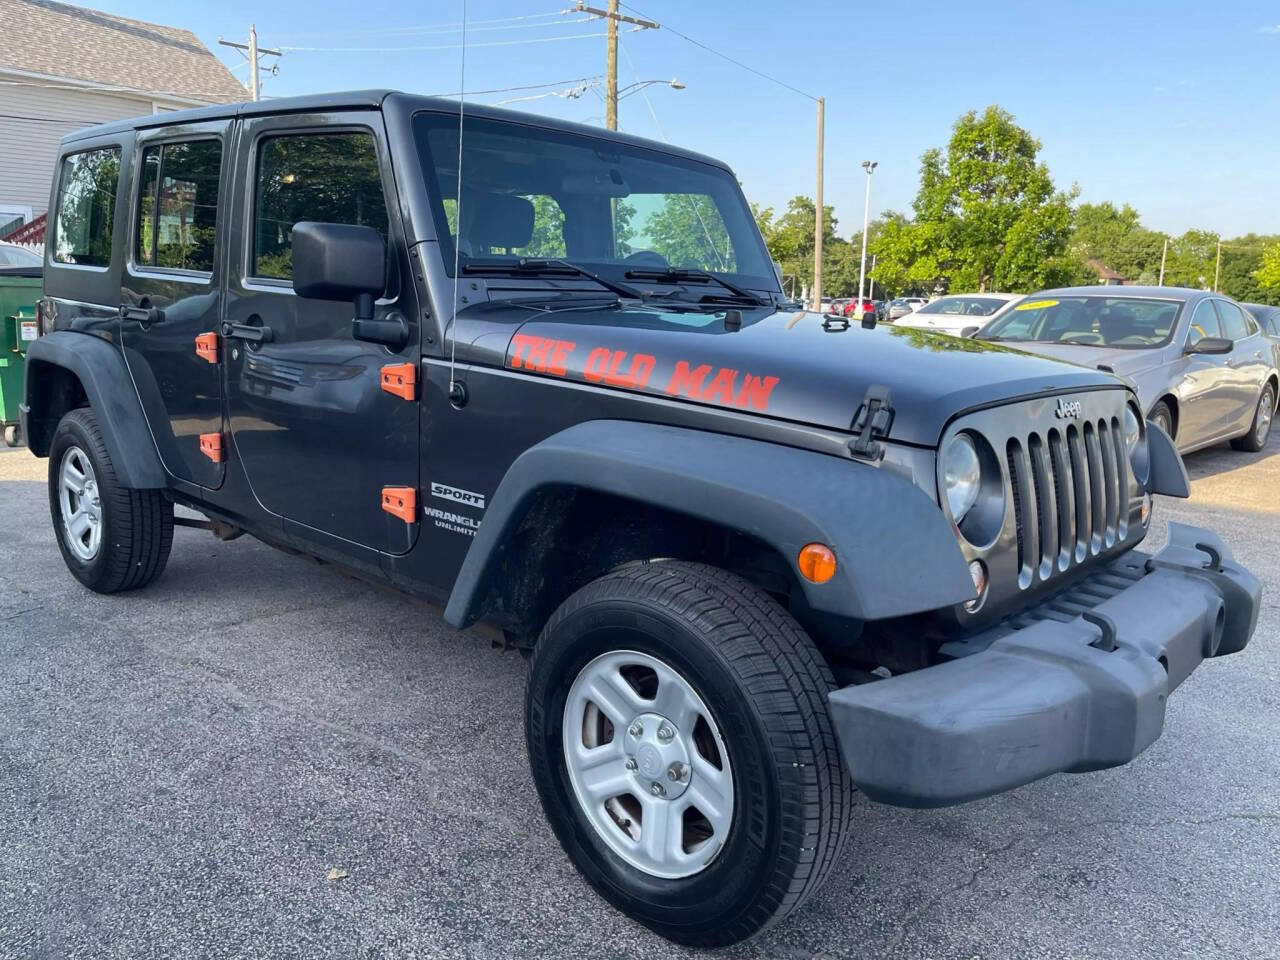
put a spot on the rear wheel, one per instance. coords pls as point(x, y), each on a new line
point(678, 735)
point(1260, 429)
point(112, 538)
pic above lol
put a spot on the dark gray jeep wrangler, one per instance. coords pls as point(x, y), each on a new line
point(546, 375)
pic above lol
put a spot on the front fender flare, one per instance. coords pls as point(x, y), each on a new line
point(101, 370)
point(896, 553)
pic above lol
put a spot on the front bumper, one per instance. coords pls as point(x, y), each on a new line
point(1078, 683)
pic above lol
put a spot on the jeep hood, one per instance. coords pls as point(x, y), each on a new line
point(780, 364)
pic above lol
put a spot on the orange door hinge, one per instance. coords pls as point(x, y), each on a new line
point(401, 502)
point(207, 347)
point(211, 446)
point(401, 380)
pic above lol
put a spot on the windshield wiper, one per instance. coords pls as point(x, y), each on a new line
point(544, 265)
point(676, 274)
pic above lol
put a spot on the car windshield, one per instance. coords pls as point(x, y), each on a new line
point(615, 209)
point(13, 256)
point(1123, 322)
point(964, 306)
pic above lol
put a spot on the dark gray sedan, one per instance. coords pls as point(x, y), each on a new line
point(1201, 367)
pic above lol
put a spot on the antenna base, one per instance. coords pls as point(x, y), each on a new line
point(458, 393)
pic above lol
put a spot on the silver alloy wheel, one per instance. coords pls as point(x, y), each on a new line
point(1266, 407)
point(648, 764)
point(81, 505)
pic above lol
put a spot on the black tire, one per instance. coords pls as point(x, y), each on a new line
point(1162, 416)
point(1260, 427)
point(137, 525)
point(766, 685)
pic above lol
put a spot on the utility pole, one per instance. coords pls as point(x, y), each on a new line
point(252, 52)
point(611, 53)
point(817, 220)
point(871, 279)
point(870, 167)
point(1162, 259)
point(1217, 269)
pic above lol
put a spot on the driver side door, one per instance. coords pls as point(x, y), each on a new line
point(318, 435)
point(1205, 394)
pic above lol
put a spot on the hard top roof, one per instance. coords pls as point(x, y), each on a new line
point(372, 99)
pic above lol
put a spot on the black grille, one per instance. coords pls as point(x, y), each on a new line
point(1069, 487)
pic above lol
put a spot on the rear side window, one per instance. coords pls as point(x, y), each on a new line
point(1233, 325)
point(328, 178)
point(178, 205)
point(87, 207)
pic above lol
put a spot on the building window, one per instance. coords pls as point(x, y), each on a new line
point(327, 178)
point(86, 207)
point(178, 205)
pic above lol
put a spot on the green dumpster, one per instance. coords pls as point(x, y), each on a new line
point(20, 288)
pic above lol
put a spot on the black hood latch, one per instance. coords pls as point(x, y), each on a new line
point(872, 421)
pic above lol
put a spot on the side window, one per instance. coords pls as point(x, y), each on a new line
point(87, 207)
point(1233, 325)
point(1204, 323)
point(325, 177)
point(178, 205)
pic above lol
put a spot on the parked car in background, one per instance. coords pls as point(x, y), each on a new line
point(959, 314)
point(901, 306)
point(1268, 317)
point(1202, 368)
point(868, 307)
point(12, 255)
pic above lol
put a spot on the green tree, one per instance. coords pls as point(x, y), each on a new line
point(1268, 272)
point(987, 215)
point(1116, 237)
point(688, 232)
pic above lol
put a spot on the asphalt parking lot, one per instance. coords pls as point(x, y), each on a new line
point(181, 769)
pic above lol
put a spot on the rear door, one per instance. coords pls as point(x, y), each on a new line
point(315, 432)
point(170, 301)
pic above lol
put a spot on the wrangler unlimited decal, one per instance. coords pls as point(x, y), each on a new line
point(633, 371)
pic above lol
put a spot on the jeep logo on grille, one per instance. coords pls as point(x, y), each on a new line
point(1068, 409)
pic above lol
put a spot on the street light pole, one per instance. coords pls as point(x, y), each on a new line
point(870, 167)
point(818, 218)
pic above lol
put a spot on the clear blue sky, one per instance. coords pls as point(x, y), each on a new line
point(1172, 106)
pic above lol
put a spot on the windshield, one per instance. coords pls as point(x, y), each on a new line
point(1124, 322)
point(964, 306)
point(13, 256)
point(529, 192)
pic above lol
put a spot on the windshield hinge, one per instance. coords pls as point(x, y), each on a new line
point(872, 421)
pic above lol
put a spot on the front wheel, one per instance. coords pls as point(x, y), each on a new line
point(679, 738)
point(1260, 428)
point(1162, 416)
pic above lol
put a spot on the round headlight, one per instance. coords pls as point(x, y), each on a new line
point(1132, 428)
point(961, 476)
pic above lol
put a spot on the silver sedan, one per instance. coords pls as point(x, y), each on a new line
point(1200, 365)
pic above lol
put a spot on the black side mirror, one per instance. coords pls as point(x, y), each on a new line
point(1211, 345)
point(339, 261)
point(969, 331)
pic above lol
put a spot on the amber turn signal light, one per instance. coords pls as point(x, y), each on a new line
point(816, 562)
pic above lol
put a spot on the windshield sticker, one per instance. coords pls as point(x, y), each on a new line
point(634, 371)
point(1036, 305)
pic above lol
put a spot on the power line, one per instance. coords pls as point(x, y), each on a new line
point(527, 86)
point(725, 56)
point(424, 32)
point(448, 46)
point(454, 27)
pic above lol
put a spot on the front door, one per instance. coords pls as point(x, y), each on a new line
point(170, 289)
point(1205, 393)
point(316, 433)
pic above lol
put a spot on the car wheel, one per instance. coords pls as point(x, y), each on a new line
point(678, 734)
point(112, 538)
point(1162, 416)
point(1260, 429)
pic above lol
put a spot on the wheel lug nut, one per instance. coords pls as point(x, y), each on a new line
point(631, 763)
point(665, 732)
point(675, 771)
point(637, 729)
point(657, 789)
